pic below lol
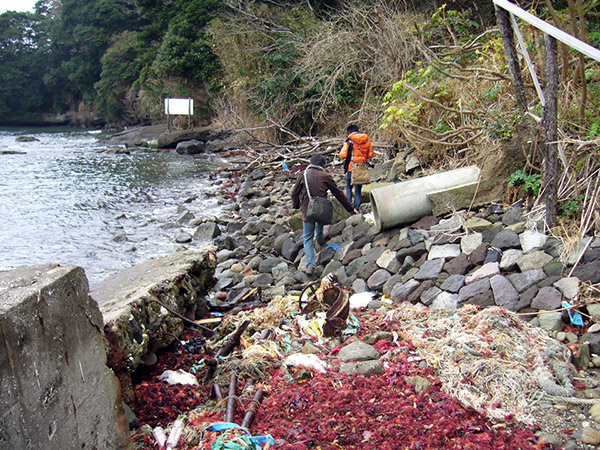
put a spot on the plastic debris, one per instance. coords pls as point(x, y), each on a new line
point(179, 377)
point(574, 316)
point(160, 436)
point(175, 434)
point(307, 361)
point(360, 300)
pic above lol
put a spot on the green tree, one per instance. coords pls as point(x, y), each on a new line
point(81, 34)
point(23, 58)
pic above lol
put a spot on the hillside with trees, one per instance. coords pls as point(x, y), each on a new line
point(429, 78)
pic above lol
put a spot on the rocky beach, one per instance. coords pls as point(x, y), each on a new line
point(476, 305)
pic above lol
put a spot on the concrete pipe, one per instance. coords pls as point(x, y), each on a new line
point(408, 201)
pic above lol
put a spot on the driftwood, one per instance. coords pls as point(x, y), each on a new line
point(231, 399)
point(249, 416)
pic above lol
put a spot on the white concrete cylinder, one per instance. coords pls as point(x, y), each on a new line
point(407, 201)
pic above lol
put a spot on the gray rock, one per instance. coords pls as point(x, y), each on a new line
point(593, 339)
point(192, 147)
point(445, 300)
point(390, 283)
point(367, 368)
point(207, 231)
point(526, 297)
point(332, 267)
point(510, 258)
point(490, 233)
point(506, 239)
point(523, 281)
point(374, 254)
point(250, 228)
point(470, 242)
point(551, 321)
point(459, 265)
point(266, 265)
point(547, 298)
point(444, 251)
point(185, 217)
point(430, 269)
point(588, 272)
point(367, 270)
point(473, 289)
point(378, 279)
point(358, 351)
point(504, 292)
point(532, 240)
point(569, 287)
point(429, 295)
point(181, 237)
point(359, 285)
point(420, 384)
point(417, 236)
point(415, 252)
point(513, 216)
point(453, 283)
point(401, 291)
point(280, 240)
point(533, 261)
point(386, 259)
point(487, 270)
point(373, 338)
point(477, 224)
point(290, 249)
point(343, 250)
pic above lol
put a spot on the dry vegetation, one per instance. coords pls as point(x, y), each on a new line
point(434, 84)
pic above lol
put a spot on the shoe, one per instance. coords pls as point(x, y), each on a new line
point(321, 240)
point(309, 270)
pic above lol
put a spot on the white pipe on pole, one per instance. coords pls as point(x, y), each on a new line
point(547, 28)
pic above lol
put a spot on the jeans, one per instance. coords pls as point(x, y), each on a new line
point(357, 191)
point(309, 229)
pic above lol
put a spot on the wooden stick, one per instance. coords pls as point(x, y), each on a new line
point(249, 416)
point(231, 399)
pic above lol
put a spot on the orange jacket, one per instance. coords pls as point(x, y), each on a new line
point(361, 149)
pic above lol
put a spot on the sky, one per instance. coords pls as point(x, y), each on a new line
point(17, 5)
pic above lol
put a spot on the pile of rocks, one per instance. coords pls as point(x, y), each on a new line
point(484, 258)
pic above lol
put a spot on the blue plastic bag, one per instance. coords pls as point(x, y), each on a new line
point(574, 316)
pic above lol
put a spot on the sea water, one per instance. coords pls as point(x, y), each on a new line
point(67, 197)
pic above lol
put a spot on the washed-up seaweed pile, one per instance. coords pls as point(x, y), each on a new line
point(489, 359)
point(311, 409)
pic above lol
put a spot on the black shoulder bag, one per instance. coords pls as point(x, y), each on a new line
point(350, 143)
point(319, 209)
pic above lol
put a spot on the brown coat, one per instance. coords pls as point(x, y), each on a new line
point(319, 182)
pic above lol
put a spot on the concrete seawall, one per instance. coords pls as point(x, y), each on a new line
point(57, 391)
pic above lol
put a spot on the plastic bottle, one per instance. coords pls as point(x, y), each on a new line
point(175, 434)
point(160, 436)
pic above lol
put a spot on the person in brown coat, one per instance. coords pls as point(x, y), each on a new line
point(319, 182)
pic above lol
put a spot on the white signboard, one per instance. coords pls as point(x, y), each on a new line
point(179, 106)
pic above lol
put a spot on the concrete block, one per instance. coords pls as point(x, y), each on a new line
point(57, 391)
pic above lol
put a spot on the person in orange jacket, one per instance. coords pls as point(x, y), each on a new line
point(356, 149)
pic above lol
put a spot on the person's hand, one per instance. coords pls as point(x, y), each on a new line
point(356, 211)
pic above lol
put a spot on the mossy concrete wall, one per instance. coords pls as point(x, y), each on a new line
point(56, 390)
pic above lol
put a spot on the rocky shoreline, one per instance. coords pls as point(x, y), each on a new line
point(445, 267)
point(485, 258)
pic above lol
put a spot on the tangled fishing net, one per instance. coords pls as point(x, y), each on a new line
point(489, 359)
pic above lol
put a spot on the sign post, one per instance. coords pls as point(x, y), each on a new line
point(181, 107)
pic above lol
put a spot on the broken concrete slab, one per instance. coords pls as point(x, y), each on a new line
point(135, 302)
point(57, 391)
